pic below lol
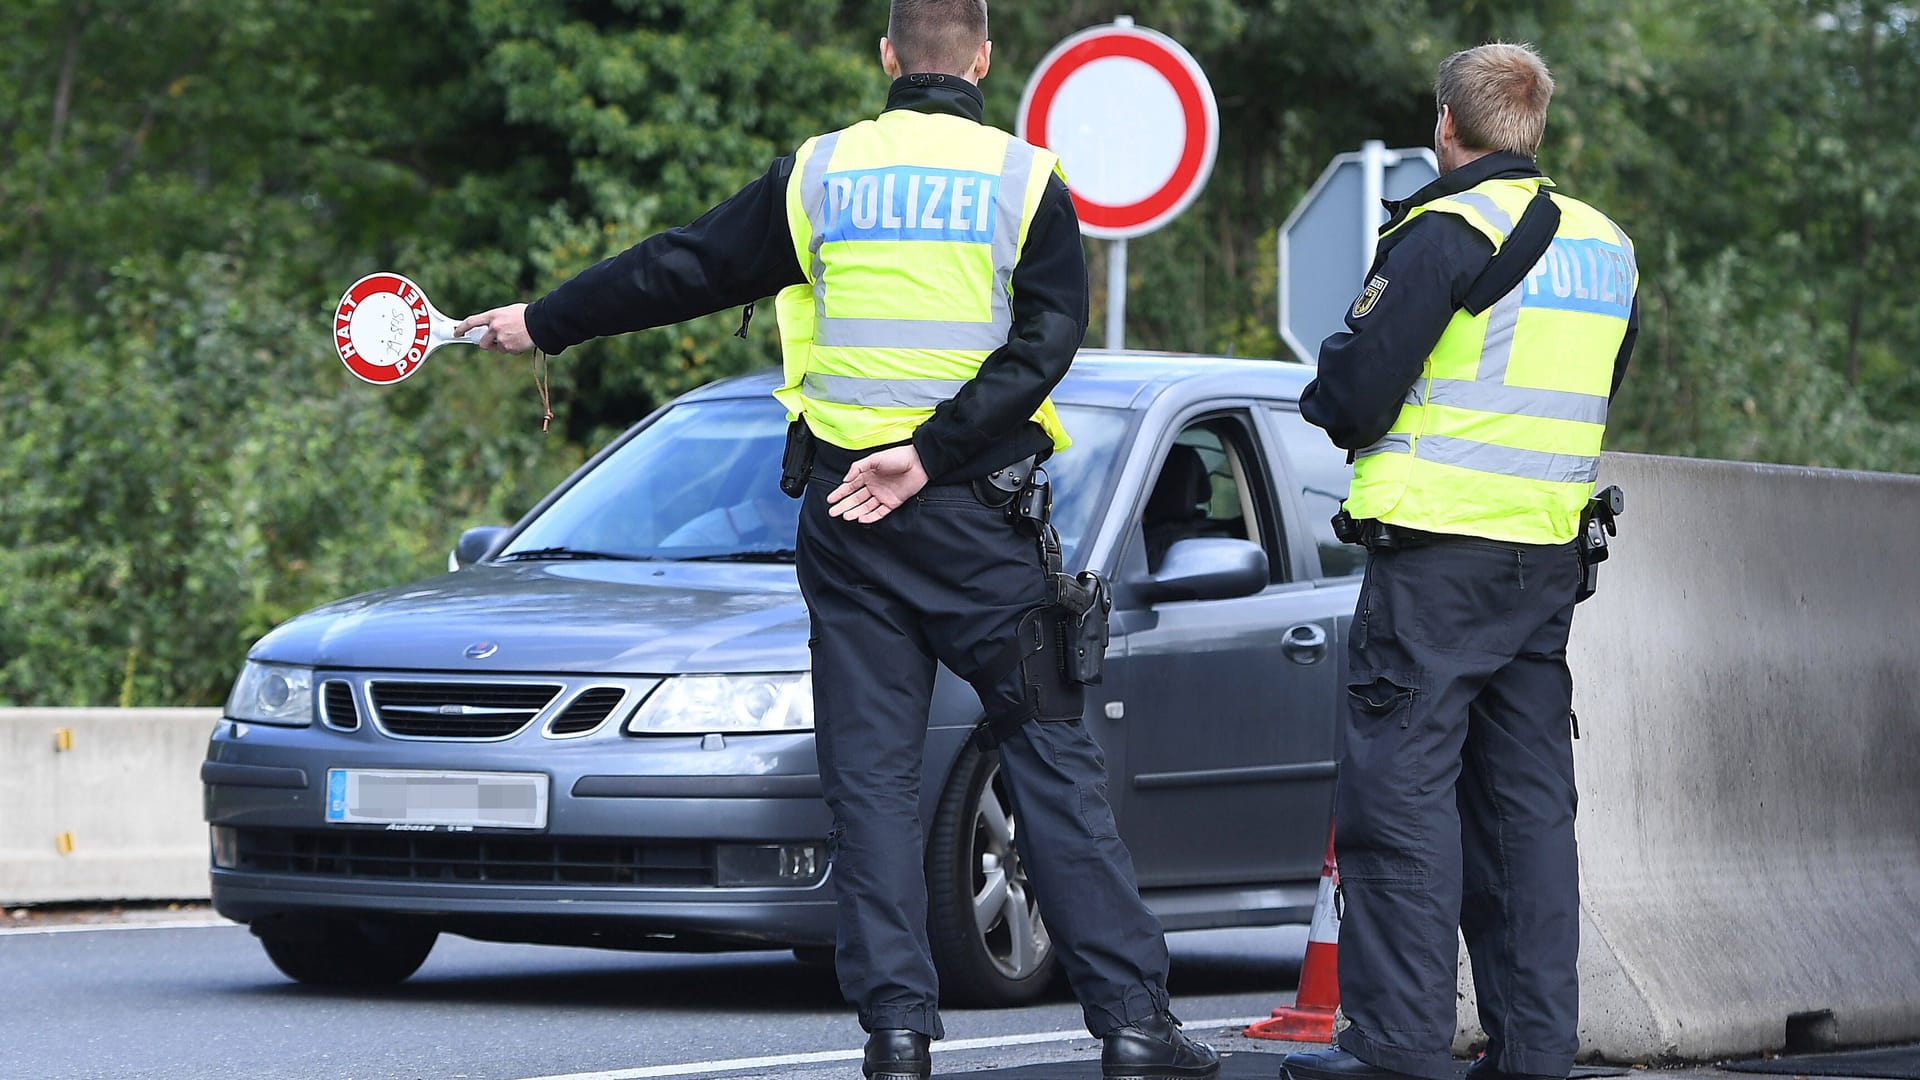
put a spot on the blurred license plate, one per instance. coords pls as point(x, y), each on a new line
point(473, 800)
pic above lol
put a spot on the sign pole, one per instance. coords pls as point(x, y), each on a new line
point(1117, 294)
point(1373, 175)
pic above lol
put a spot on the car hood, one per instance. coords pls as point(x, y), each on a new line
point(641, 618)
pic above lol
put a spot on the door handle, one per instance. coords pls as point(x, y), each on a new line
point(1305, 644)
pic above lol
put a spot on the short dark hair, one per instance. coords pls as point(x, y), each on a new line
point(939, 36)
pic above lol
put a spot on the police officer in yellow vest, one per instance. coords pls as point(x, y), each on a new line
point(931, 293)
point(1471, 387)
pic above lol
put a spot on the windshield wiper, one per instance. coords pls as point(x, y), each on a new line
point(771, 555)
point(559, 553)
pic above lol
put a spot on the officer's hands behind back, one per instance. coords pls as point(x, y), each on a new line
point(877, 485)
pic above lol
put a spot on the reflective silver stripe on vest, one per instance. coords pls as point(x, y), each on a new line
point(879, 393)
point(1508, 461)
point(1497, 348)
point(1494, 397)
point(1391, 444)
point(813, 196)
point(1489, 209)
point(908, 334)
point(1015, 170)
point(1626, 249)
point(1009, 212)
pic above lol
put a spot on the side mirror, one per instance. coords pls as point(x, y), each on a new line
point(1207, 568)
point(474, 545)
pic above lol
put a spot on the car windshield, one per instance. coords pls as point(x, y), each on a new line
point(702, 482)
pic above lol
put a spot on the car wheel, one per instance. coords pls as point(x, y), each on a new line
point(989, 943)
point(347, 952)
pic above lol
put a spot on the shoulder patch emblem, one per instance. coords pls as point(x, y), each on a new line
point(1369, 296)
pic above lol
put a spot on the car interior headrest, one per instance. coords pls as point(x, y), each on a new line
point(1183, 489)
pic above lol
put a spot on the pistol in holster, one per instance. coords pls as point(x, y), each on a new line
point(1060, 646)
point(1596, 524)
point(1084, 601)
point(796, 460)
point(1081, 602)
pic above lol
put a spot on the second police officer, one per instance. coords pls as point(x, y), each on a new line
point(931, 293)
point(1472, 387)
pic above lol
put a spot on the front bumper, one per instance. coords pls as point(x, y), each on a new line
point(612, 918)
point(653, 810)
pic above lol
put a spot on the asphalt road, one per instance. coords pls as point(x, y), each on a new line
point(204, 1002)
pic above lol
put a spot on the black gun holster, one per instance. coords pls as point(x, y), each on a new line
point(1083, 602)
point(796, 460)
point(1596, 524)
point(1060, 646)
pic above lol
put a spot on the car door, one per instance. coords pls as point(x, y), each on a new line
point(1225, 703)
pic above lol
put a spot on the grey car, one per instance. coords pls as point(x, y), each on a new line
point(596, 728)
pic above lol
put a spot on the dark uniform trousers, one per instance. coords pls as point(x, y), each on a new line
point(1455, 807)
point(945, 577)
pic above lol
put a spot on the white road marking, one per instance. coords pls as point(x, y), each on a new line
point(822, 1057)
point(198, 924)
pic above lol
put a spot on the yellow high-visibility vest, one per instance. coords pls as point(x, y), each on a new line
point(907, 228)
point(1500, 437)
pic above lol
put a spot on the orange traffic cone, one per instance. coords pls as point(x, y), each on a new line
point(1310, 1017)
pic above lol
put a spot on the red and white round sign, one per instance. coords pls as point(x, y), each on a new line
point(383, 328)
point(1134, 121)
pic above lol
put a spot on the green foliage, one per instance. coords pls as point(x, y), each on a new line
point(187, 186)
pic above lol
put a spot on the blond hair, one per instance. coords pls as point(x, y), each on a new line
point(1498, 95)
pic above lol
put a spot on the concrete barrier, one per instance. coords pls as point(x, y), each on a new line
point(109, 810)
point(1748, 687)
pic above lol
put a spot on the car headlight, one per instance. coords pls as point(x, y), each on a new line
point(272, 694)
point(727, 703)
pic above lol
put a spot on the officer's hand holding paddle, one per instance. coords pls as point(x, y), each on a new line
point(877, 484)
point(506, 329)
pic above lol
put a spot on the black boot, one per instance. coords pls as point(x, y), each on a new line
point(897, 1054)
point(1155, 1049)
point(1334, 1063)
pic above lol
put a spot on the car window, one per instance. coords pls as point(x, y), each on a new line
point(1323, 475)
point(1083, 474)
point(703, 481)
point(1207, 485)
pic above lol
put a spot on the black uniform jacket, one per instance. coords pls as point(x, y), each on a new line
point(1366, 371)
point(741, 251)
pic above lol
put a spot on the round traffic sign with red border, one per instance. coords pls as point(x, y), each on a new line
point(1134, 121)
point(383, 328)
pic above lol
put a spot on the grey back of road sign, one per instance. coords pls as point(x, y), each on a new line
point(1325, 247)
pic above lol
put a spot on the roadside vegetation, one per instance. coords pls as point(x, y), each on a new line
point(186, 187)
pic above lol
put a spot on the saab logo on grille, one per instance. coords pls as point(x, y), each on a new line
point(1369, 296)
point(480, 650)
point(908, 203)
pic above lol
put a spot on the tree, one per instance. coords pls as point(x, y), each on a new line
point(188, 186)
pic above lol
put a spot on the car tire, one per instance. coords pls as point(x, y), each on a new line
point(989, 944)
point(347, 952)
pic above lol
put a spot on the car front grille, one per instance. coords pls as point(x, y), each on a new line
point(476, 858)
point(341, 712)
point(458, 710)
point(587, 711)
